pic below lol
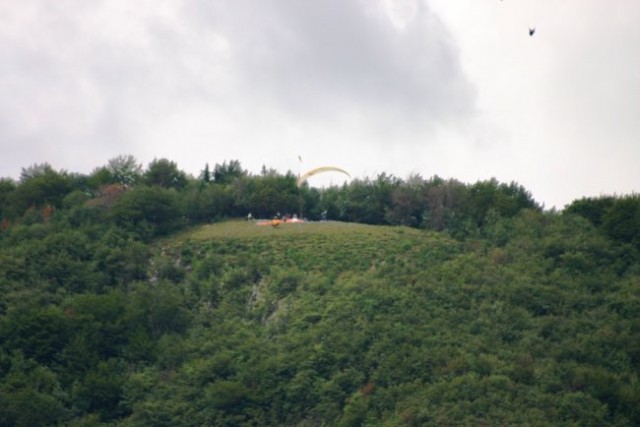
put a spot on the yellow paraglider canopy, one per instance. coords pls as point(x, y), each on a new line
point(321, 169)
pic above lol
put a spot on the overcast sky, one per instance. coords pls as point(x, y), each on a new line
point(454, 88)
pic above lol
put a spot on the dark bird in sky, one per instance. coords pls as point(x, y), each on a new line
point(532, 30)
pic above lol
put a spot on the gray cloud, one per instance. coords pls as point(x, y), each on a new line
point(322, 58)
point(85, 83)
point(457, 89)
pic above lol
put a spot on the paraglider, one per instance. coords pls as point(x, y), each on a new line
point(280, 220)
point(532, 31)
point(304, 177)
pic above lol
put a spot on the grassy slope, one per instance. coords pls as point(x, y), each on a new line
point(313, 245)
point(346, 323)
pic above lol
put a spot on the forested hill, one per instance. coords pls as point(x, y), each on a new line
point(127, 298)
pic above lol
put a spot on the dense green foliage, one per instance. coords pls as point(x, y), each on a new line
point(120, 307)
point(161, 199)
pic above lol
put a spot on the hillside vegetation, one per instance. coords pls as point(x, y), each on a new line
point(120, 307)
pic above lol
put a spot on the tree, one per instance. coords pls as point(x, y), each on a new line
point(100, 390)
point(148, 211)
point(100, 177)
point(37, 169)
point(165, 173)
point(38, 333)
point(367, 201)
point(30, 395)
point(226, 173)
point(407, 203)
point(124, 169)
point(310, 202)
point(38, 187)
point(205, 175)
point(267, 195)
point(622, 220)
point(205, 203)
point(594, 209)
point(7, 186)
point(121, 258)
point(444, 200)
point(504, 200)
